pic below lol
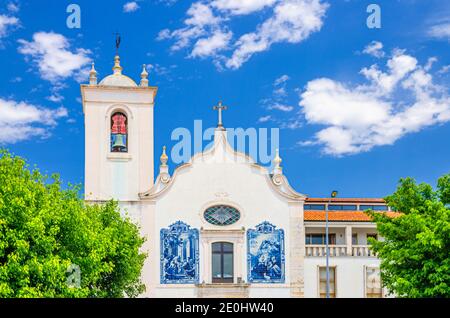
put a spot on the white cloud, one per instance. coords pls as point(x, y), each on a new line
point(264, 119)
point(51, 54)
point(209, 46)
point(130, 7)
point(282, 79)
point(398, 67)
point(56, 98)
point(292, 124)
point(444, 69)
point(293, 21)
point(160, 70)
point(200, 23)
point(280, 92)
point(375, 49)
point(201, 15)
point(357, 118)
point(238, 7)
point(6, 23)
point(430, 63)
point(277, 100)
point(13, 7)
point(440, 31)
point(164, 35)
point(20, 121)
point(290, 21)
point(280, 107)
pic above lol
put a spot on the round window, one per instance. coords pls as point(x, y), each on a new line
point(221, 215)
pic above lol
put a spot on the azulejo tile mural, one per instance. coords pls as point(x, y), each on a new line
point(179, 254)
point(265, 254)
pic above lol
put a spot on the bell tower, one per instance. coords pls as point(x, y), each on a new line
point(118, 117)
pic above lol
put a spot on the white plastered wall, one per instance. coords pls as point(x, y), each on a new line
point(220, 178)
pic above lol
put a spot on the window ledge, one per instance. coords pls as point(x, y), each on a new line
point(222, 285)
point(119, 156)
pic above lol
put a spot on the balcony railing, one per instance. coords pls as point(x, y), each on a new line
point(339, 250)
point(321, 250)
point(362, 251)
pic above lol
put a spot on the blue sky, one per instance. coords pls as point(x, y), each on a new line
point(357, 108)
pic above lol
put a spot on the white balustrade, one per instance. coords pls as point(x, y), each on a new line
point(321, 250)
point(362, 251)
point(338, 250)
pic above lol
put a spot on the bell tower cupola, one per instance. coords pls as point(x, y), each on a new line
point(118, 117)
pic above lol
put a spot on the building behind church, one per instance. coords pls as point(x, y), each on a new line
point(219, 225)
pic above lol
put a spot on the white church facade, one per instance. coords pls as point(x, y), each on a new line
point(219, 225)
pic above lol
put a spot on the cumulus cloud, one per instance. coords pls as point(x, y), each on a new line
point(130, 7)
point(20, 121)
point(201, 15)
point(209, 46)
point(51, 53)
point(289, 21)
point(398, 66)
point(292, 22)
point(375, 49)
point(396, 101)
point(199, 24)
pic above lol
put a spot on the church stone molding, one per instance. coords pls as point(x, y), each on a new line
point(234, 236)
point(119, 107)
point(240, 290)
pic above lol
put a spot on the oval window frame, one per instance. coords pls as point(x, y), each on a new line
point(208, 218)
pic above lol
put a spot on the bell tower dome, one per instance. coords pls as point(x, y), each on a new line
point(118, 117)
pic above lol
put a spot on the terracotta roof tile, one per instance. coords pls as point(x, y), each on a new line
point(341, 216)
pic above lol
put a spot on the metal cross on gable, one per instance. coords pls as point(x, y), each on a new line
point(219, 108)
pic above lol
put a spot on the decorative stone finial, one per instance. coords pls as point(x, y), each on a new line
point(164, 158)
point(164, 168)
point(277, 169)
point(117, 69)
point(277, 160)
point(92, 76)
point(144, 76)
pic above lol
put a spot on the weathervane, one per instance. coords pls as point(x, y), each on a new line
point(117, 43)
point(219, 108)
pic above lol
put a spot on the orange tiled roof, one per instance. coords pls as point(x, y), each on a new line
point(341, 216)
point(345, 200)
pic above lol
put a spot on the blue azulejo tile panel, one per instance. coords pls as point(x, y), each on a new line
point(179, 254)
point(265, 254)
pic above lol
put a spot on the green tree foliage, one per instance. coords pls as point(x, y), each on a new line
point(47, 232)
point(415, 253)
